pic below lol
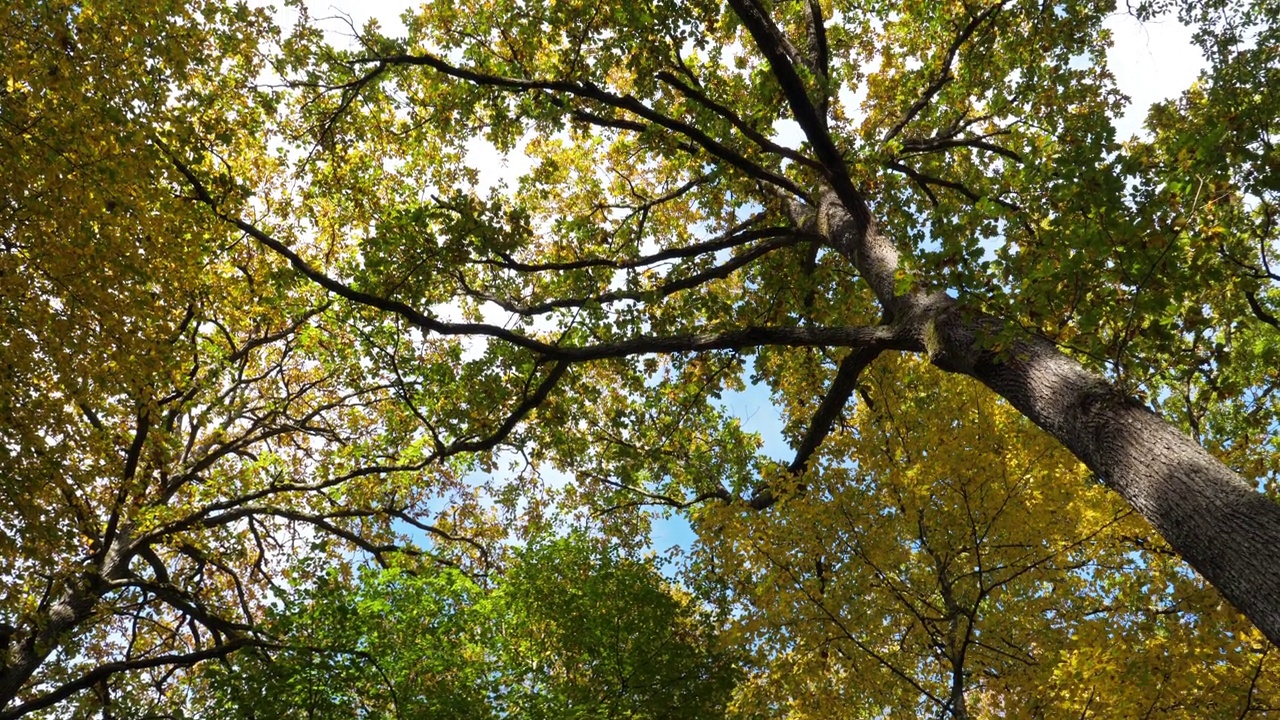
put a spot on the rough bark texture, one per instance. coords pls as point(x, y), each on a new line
point(1224, 528)
point(1228, 531)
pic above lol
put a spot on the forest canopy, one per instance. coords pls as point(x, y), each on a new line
point(299, 415)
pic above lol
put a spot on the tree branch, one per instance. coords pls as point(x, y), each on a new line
point(738, 235)
point(734, 119)
point(781, 58)
point(833, 403)
point(1261, 312)
point(590, 91)
point(945, 76)
point(106, 670)
point(662, 291)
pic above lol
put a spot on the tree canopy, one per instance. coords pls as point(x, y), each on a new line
point(287, 390)
point(572, 630)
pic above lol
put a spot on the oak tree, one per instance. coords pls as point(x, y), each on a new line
point(958, 193)
point(257, 302)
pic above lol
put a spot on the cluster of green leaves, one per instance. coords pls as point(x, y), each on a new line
point(570, 630)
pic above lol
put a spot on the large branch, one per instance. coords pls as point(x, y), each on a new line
point(1219, 523)
point(739, 235)
point(107, 669)
point(841, 212)
point(692, 342)
point(871, 252)
point(824, 418)
point(716, 272)
point(75, 603)
point(779, 53)
point(883, 336)
point(736, 120)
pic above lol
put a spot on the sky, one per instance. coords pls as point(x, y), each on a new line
point(1151, 62)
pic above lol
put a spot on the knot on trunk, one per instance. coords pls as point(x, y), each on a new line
point(952, 339)
point(852, 232)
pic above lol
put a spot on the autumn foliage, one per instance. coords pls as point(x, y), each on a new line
point(307, 406)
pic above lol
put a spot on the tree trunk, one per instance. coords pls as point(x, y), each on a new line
point(1223, 527)
point(46, 632)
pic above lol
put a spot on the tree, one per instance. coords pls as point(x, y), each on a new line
point(570, 630)
point(176, 411)
point(986, 124)
point(234, 308)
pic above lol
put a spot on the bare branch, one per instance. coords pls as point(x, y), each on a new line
point(443, 534)
point(932, 145)
point(659, 499)
point(924, 181)
point(522, 410)
point(838, 394)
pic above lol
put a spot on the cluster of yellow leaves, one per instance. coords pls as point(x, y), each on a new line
point(181, 417)
point(947, 557)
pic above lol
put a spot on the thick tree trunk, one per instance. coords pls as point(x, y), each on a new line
point(21, 662)
point(1223, 527)
point(1216, 521)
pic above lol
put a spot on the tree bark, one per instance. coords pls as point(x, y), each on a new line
point(45, 633)
point(1221, 525)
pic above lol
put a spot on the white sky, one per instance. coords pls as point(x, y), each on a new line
point(1151, 61)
